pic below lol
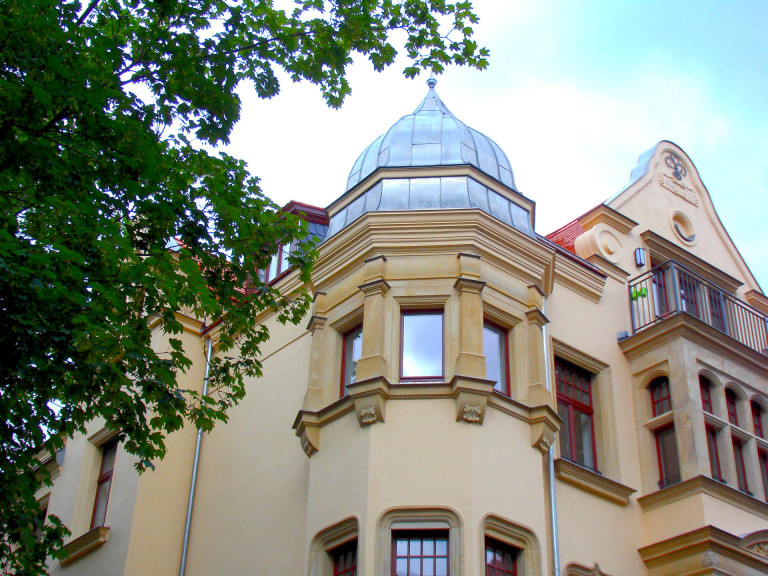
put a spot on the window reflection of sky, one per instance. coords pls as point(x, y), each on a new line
point(422, 345)
point(492, 348)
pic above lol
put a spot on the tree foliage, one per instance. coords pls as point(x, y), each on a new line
point(108, 114)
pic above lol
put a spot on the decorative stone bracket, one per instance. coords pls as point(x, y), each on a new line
point(370, 398)
point(544, 426)
point(471, 396)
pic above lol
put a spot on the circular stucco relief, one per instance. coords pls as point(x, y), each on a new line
point(683, 228)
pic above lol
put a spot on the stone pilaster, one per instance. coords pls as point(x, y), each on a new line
point(470, 361)
point(373, 362)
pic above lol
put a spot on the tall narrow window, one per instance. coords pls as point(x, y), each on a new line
point(706, 394)
point(574, 406)
point(666, 450)
point(666, 440)
point(660, 396)
point(422, 345)
point(757, 419)
point(353, 350)
point(500, 558)
point(741, 469)
point(416, 553)
point(104, 483)
point(762, 459)
point(714, 455)
point(496, 354)
point(345, 559)
point(730, 402)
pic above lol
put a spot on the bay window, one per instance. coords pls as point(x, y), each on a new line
point(714, 455)
point(741, 469)
point(730, 402)
point(666, 439)
point(421, 350)
point(495, 349)
point(757, 419)
point(352, 351)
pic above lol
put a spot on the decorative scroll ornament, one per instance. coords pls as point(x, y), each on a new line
point(368, 415)
point(678, 168)
point(472, 413)
point(709, 558)
point(306, 445)
point(761, 549)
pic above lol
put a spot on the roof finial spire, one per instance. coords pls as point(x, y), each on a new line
point(432, 82)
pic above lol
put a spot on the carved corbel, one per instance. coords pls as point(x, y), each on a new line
point(308, 430)
point(471, 396)
point(545, 424)
point(370, 399)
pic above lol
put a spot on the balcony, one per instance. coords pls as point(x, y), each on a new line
point(671, 288)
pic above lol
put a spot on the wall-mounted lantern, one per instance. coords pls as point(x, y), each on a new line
point(640, 257)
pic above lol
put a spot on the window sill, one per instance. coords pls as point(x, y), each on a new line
point(85, 544)
point(710, 487)
point(591, 481)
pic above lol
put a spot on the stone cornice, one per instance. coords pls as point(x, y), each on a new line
point(427, 232)
point(683, 325)
point(705, 547)
point(85, 544)
point(593, 482)
point(578, 279)
point(604, 214)
point(707, 486)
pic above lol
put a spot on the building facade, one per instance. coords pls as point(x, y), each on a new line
point(468, 397)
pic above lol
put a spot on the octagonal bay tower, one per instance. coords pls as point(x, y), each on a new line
point(430, 246)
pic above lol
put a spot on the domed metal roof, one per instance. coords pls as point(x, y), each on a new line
point(432, 136)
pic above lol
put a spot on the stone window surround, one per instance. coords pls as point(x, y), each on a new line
point(328, 539)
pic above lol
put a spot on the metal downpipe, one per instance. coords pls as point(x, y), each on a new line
point(195, 466)
point(551, 460)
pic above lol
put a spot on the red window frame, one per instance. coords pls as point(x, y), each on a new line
point(345, 559)
point(757, 419)
point(502, 385)
point(762, 460)
point(661, 398)
point(279, 262)
point(730, 403)
point(714, 454)
point(574, 394)
point(664, 458)
point(104, 481)
point(417, 555)
point(419, 312)
point(706, 394)
point(500, 558)
point(741, 468)
point(348, 346)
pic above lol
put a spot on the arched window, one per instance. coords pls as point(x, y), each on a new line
point(757, 419)
point(730, 403)
point(706, 394)
point(660, 396)
point(666, 440)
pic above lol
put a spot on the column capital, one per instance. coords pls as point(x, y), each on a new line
point(469, 285)
point(375, 287)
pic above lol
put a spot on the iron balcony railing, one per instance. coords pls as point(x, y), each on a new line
point(671, 288)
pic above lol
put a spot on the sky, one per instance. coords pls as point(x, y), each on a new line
point(574, 93)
